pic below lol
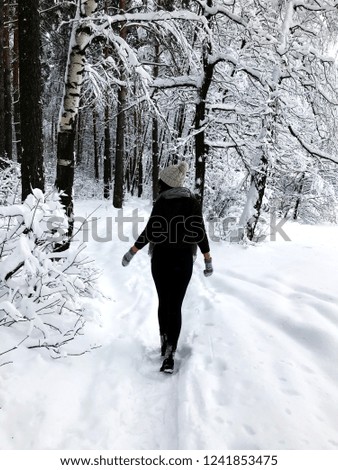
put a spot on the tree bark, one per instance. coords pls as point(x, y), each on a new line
point(107, 156)
point(120, 149)
point(96, 145)
point(120, 129)
point(140, 178)
point(180, 120)
point(154, 133)
point(201, 148)
point(107, 159)
point(32, 172)
point(65, 170)
point(79, 136)
point(16, 92)
point(2, 88)
point(299, 189)
point(136, 149)
point(80, 39)
point(6, 51)
point(155, 158)
point(258, 185)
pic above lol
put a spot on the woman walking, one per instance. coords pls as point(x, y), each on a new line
point(174, 230)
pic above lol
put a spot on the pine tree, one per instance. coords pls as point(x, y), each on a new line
point(2, 88)
point(120, 126)
point(32, 172)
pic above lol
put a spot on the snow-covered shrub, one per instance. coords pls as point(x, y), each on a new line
point(319, 200)
point(10, 182)
point(41, 291)
point(309, 197)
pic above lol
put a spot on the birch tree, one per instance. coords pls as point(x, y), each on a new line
point(80, 39)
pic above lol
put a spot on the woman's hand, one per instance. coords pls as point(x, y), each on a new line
point(129, 255)
point(208, 265)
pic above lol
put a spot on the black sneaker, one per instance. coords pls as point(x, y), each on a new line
point(168, 365)
point(164, 343)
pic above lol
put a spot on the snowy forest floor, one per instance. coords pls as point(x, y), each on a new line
point(256, 364)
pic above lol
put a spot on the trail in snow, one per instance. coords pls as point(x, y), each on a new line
point(256, 364)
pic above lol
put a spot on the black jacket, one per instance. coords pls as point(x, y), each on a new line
point(176, 221)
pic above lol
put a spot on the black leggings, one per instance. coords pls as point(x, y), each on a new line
point(171, 270)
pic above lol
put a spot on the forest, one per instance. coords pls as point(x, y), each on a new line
point(95, 97)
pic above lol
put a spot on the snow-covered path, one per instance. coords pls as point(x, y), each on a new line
point(256, 365)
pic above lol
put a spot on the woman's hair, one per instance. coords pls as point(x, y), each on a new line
point(162, 186)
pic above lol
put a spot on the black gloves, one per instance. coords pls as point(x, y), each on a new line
point(208, 267)
point(128, 257)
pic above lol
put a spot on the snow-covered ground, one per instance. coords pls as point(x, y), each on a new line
point(256, 365)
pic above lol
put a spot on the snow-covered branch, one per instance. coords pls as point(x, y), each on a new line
point(257, 74)
point(220, 144)
point(175, 82)
point(320, 6)
point(221, 10)
point(310, 148)
point(153, 17)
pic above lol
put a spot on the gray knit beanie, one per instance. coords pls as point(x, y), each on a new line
point(174, 175)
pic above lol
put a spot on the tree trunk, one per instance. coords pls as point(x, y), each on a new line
point(299, 190)
point(6, 51)
point(180, 120)
point(16, 93)
point(96, 145)
point(120, 129)
point(201, 148)
point(142, 132)
point(79, 136)
point(136, 149)
point(127, 176)
point(65, 171)
point(32, 174)
point(155, 158)
point(120, 150)
point(140, 177)
point(107, 156)
point(2, 89)
point(257, 191)
point(154, 133)
point(80, 39)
